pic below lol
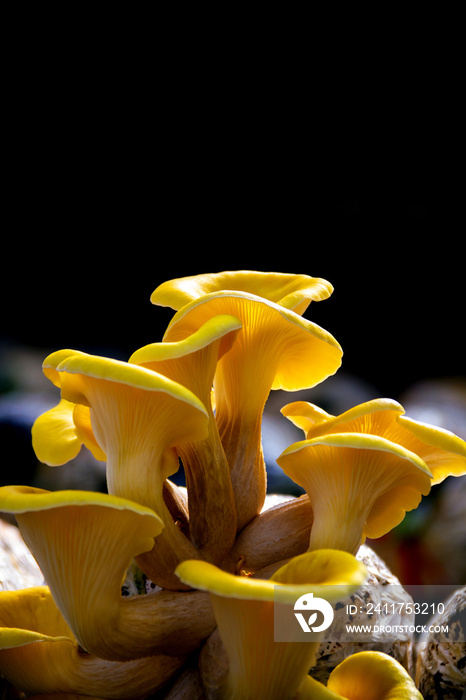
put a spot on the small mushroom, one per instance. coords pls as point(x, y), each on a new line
point(54, 437)
point(192, 362)
point(39, 654)
point(358, 486)
point(138, 417)
point(257, 666)
point(59, 433)
point(442, 451)
point(367, 675)
point(294, 292)
point(277, 349)
point(84, 543)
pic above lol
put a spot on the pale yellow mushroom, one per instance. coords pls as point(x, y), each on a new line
point(358, 486)
point(84, 543)
point(192, 362)
point(292, 291)
point(39, 654)
point(258, 667)
point(442, 451)
point(138, 417)
point(366, 675)
point(276, 349)
point(59, 433)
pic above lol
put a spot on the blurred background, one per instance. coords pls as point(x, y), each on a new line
point(106, 196)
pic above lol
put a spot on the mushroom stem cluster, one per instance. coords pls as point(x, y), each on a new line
point(227, 573)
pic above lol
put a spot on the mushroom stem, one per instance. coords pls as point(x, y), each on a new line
point(268, 670)
point(211, 504)
point(171, 546)
point(278, 533)
point(338, 525)
point(242, 443)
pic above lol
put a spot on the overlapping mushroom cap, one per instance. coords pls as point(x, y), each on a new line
point(289, 290)
point(39, 654)
point(443, 452)
point(258, 667)
point(59, 433)
point(366, 675)
point(276, 349)
point(358, 485)
point(84, 543)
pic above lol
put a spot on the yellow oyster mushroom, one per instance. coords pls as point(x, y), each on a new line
point(276, 349)
point(59, 433)
point(192, 362)
point(54, 438)
point(138, 417)
point(292, 291)
point(257, 666)
point(366, 675)
point(39, 654)
point(84, 543)
point(442, 451)
point(358, 486)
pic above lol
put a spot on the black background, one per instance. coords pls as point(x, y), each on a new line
point(83, 274)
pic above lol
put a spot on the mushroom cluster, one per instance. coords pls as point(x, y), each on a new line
point(221, 568)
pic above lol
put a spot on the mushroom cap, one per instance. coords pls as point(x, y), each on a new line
point(330, 574)
point(54, 438)
point(126, 401)
point(314, 421)
point(34, 638)
point(29, 615)
point(291, 291)
point(192, 360)
point(357, 476)
point(59, 433)
point(83, 542)
point(83, 376)
point(442, 451)
point(219, 327)
point(298, 353)
point(118, 372)
point(19, 499)
point(39, 654)
point(372, 675)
